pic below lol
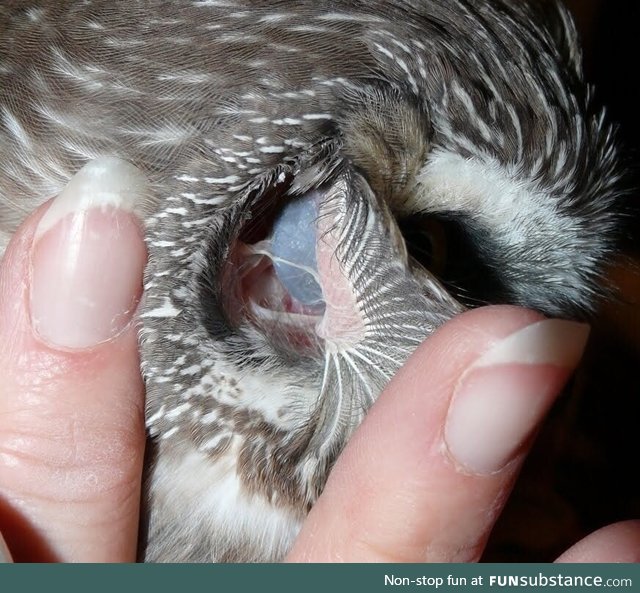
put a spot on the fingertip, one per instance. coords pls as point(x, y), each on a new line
point(619, 542)
point(71, 276)
point(72, 399)
point(500, 399)
point(403, 490)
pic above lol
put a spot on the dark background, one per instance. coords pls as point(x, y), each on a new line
point(610, 30)
point(584, 470)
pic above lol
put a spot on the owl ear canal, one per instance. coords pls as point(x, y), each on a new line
point(385, 135)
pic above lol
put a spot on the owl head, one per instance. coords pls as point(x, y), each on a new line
point(332, 181)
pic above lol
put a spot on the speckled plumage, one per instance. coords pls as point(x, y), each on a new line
point(469, 110)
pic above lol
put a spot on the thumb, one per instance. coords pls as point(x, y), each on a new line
point(430, 468)
point(71, 396)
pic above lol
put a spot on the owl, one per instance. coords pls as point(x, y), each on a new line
point(332, 181)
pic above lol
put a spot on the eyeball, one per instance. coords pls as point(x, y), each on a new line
point(293, 248)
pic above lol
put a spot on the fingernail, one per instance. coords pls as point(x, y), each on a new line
point(5, 555)
point(503, 396)
point(88, 256)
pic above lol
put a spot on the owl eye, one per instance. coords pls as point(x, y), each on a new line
point(462, 257)
point(427, 241)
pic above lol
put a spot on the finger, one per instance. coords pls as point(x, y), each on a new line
point(619, 542)
point(407, 489)
point(71, 396)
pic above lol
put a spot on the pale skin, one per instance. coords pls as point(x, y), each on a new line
point(72, 443)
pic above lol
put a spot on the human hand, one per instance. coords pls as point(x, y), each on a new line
point(71, 400)
point(428, 472)
point(71, 397)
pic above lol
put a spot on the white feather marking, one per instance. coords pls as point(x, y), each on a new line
point(307, 29)
point(167, 309)
point(191, 370)
point(222, 180)
point(209, 417)
point(314, 116)
point(213, 442)
point(177, 411)
point(212, 494)
point(179, 211)
point(348, 17)
point(287, 121)
point(187, 178)
point(275, 17)
point(169, 433)
point(384, 50)
point(159, 414)
point(490, 192)
point(214, 201)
